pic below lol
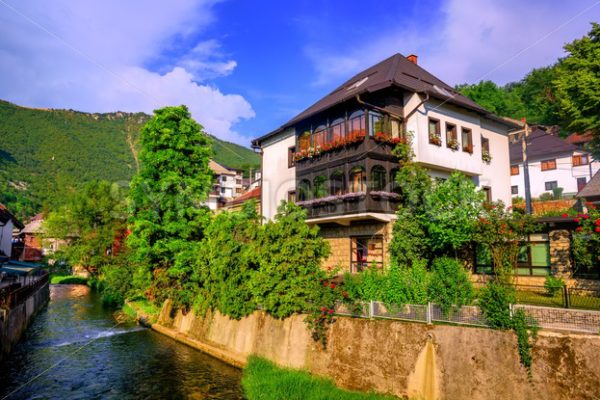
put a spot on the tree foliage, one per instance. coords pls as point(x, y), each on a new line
point(578, 85)
point(89, 221)
point(167, 217)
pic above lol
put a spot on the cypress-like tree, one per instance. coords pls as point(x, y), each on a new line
point(166, 197)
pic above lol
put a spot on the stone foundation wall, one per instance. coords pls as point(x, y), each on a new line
point(339, 238)
point(14, 321)
point(403, 358)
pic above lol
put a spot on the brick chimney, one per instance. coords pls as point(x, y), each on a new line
point(412, 58)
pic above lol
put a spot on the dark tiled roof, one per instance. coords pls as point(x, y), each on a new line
point(592, 189)
point(396, 70)
point(540, 145)
point(6, 215)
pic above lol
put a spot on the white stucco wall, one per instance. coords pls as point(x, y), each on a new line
point(565, 175)
point(442, 160)
point(277, 178)
point(6, 237)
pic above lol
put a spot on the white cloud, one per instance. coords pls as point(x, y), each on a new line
point(97, 63)
point(474, 40)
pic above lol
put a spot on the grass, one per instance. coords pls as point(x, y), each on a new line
point(545, 300)
point(145, 306)
point(262, 380)
point(129, 311)
point(68, 280)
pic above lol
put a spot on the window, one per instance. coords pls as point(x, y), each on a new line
point(375, 124)
point(238, 190)
point(514, 170)
point(291, 196)
point(533, 257)
point(357, 125)
point(291, 152)
point(467, 140)
point(485, 150)
point(551, 185)
point(581, 183)
point(395, 128)
point(337, 183)
point(394, 185)
point(319, 136)
point(580, 159)
point(451, 137)
point(366, 251)
point(338, 130)
point(488, 193)
point(303, 193)
point(378, 174)
point(319, 188)
point(435, 136)
point(238, 181)
point(514, 189)
point(304, 141)
point(548, 165)
point(358, 180)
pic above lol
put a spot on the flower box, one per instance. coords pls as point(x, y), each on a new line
point(435, 139)
point(453, 144)
point(486, 156)
point(380, 194)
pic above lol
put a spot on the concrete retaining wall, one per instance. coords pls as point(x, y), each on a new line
point(13, 322)
point(401, 358)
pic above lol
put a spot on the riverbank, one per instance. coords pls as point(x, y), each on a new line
point(400, 358)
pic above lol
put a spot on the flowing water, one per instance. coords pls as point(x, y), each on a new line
point(102, 359)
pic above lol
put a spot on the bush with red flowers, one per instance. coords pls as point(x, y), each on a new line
point(586, 240)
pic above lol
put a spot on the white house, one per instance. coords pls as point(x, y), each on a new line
point(8, 222)
point(553, 162)
point(335, 158)
point(227, 186)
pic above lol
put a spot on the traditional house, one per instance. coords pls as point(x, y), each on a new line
point(552, 162)
point(8, 223)
point(591, 191)
point(237, 203)
point(228, 185)
point(335, 158)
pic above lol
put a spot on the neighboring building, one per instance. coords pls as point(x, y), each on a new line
point(30, 239)
point(228, 185)
point(237, 203)
point(8, 222)
point(335, 158)
point(591, 192)
point(553, 162)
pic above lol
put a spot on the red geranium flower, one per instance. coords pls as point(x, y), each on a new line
point(597, 229)
point(579, 229)
point(565, 215)
point(597, 222)
point(332, 285)
point(577, 220)
point(330, 311)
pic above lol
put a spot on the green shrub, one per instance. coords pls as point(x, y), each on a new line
point(450, 284)
point(546, 196)
point(557, 193)
point(553, 285)
point(495, 300)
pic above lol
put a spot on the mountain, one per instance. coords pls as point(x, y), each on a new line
point(43, 152)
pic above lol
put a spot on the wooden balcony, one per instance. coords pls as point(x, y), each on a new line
point(367, 148)
point(370, 202)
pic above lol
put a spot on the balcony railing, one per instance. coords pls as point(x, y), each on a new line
point(351, 203)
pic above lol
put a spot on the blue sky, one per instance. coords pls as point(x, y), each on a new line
point(245, 67)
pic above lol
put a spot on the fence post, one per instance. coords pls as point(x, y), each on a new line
point(371, 309)
point(429, 313)
point(566, 295)
point(511, 310)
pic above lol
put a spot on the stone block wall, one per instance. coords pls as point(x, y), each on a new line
point(560, 253)
point(339, 238)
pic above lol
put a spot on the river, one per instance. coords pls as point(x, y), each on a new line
point(102, 359)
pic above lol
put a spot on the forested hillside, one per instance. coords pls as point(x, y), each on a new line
point(43, 153)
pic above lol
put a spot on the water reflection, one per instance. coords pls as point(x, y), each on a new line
point(106, 360)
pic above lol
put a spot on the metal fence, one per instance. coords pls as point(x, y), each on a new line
point(565, 297)
point(545, 317)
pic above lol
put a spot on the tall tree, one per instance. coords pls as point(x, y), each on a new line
point(578, 86)
point(167, 215)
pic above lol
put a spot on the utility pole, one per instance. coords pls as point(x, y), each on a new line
point(528, 206)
